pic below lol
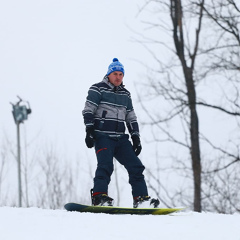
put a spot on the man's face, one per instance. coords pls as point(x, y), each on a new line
point(116, 78)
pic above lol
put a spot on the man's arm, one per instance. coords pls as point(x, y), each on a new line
point(132, 124)
point(131, 119)
point(133, 128)
point(91, 105)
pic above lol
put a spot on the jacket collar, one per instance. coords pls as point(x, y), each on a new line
point(105, 80)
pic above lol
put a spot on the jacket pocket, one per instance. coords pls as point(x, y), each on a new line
point(104, 113)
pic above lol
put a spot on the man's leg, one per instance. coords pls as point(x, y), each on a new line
point(126, 156)
point(104, 152)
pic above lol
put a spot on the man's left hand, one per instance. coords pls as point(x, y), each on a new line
point(137, 147)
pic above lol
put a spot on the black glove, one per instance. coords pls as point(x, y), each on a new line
point(137, 147)
point(89, 140)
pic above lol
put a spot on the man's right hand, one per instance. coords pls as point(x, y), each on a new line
point(89, 140)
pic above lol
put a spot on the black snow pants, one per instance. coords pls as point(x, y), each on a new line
point(119, 147)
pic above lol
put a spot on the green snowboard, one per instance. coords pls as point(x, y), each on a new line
point(119, 210)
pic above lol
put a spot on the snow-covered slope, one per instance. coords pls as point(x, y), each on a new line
point(39, 224)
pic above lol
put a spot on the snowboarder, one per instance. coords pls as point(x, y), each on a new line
point(107, 110)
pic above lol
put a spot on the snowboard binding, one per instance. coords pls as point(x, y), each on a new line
point(101, 199)
point(145, 201)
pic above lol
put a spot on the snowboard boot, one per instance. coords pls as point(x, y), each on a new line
point(145, 202)
point(101, 199)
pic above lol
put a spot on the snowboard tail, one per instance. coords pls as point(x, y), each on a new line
point(119, 210)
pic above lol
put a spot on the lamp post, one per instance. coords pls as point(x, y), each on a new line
point(20, 113)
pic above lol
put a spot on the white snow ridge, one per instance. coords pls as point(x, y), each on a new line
point(42, 224)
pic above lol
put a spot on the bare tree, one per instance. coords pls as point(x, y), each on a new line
point(178, 81)
point(221, 181)
point(220, 177)
point(184, 101)
point(188, 70)
point(55, 180)
point(223, 16)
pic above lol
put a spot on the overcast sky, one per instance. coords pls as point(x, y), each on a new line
point(51, 51)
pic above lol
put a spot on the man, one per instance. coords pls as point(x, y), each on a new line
point(107, 109)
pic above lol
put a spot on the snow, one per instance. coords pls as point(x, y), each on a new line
point(42, 224)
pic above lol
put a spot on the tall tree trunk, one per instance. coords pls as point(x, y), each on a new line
point(194, 133)
point(178, 36)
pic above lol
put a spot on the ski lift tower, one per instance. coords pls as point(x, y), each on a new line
point(20, 113)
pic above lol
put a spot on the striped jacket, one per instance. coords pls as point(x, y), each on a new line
point(108, 108)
